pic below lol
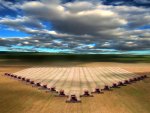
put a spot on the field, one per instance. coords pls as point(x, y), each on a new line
point(78, 81)
point(19, 97)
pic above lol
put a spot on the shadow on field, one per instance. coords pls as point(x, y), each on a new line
point(9, 98)
point(14, 98)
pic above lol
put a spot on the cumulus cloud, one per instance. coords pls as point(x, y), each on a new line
point(68, 19)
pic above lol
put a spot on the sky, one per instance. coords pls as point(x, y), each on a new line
point(75, 26)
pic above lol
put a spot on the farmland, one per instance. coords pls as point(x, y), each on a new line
point(19, 97)
point(76, 80)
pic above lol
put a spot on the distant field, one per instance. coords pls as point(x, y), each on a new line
point(43, 57)
point(18, 97)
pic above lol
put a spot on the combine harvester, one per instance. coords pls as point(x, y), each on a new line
point(73, 99)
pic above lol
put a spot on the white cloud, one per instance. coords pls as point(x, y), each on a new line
point(68, 19)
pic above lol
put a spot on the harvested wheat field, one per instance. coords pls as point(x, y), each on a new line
point(18, 96)
point(77, 81)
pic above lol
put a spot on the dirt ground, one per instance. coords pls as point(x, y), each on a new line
point(18, 97)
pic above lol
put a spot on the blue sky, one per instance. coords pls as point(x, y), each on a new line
point(75, 26)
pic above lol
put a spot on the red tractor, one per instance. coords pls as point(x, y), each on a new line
point(97, 90)
point(106, 87)
point(38, 84)
point(53, 89)
point(61, 93)
point(120, 83)
point(114, 85)
point(45, 86)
